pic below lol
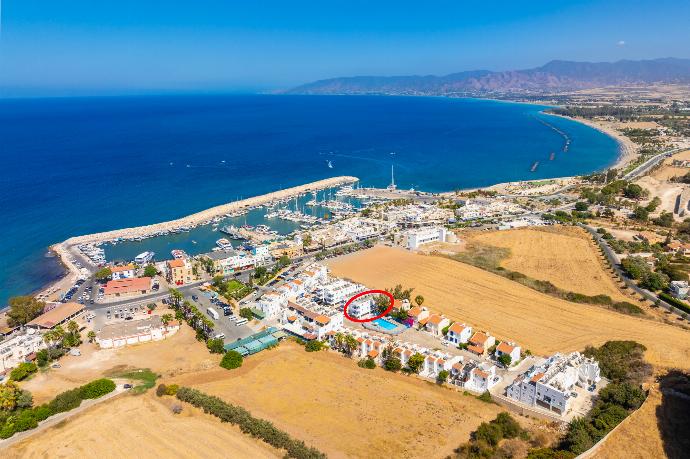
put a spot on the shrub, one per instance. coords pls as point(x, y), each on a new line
point(42, 358)
point(392, 364)
point(23, 371)
point(171, 389)
point(42, 412)
point(176, 409)
point(627, 308)
point(65, 401)
point(367, 363)
point(7, 430)
point(161, 390)
point(25, 421)
point(231, 360)
point(489, 432)
point(97, 388)
point(486, 397)
point(442, 376)
point(313, 346)
point(215, 346)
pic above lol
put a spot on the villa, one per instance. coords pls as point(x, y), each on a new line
point(482, 378)
point(459, 333)
point(480, 342)
point(510, 349)
point(436, 323)
point(418, 314)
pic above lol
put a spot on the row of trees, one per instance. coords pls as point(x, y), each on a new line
point(258, 428)
point(184, 310)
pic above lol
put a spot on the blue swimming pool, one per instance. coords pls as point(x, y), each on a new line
point(385, 324)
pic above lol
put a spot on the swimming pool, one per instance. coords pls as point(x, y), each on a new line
point(385, 324)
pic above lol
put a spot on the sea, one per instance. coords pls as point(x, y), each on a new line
point(73, 166)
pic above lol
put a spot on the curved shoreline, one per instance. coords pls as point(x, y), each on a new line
point(63, 249)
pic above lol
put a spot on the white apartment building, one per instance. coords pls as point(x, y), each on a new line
point(482, 378)
point(15, 350)
point(272, 303)
point(362, 308)
point(338, 291)
point(550, 384)
point(679, 289)
point(417, 237)
point(311, 321)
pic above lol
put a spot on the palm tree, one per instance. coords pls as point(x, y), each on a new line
point(176, 296)
point(351, 344)
point(72, 327)
point(419, 299)
point(339, 339)
point(91, 335)
point(49, 338)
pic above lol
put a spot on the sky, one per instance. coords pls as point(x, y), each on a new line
point(89, 47)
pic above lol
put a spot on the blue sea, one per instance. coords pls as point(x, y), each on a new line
point(72, 166)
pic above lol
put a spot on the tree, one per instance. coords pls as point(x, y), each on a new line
point(581, 206)
point(382, 302)
point(72, 327)
point(9, 393)
point(284, 261)
point(231, 360)
point(150, 271)
point(306, 239)
point(350, 343)
point(392, 364)
point(91, 335)
point(415, 362)
point(23, 309)
point(640, 213)
point(442, 376)
point(166, 318)
point(103, 274)
point(636, 267)
point(246, 313)
point(260, 272)
point(634, 191)
point(654, 281)
point(419, 299)
point(313, 346)
point(215, 346)
point(505, 360)
point(665, 219)
point(176, 297)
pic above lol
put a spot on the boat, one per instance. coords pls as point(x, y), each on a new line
point(552, 156)
point(534, 166)
point(344, 191)
point(178, 254)
point(224, 244)
point(231, 231)
point(144, 257)
point(330, 164)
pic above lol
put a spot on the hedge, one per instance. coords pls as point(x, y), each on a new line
point(255, 427)
point(29, 418)
point(675, 302)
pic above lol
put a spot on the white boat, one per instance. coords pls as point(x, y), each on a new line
point(344, 191)
point(144, 257)
point(224, 244)
point(330, 164)
point(178, 254)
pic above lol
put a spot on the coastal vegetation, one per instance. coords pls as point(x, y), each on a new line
point(18, 414)
point(488, 440)
point(23, 309)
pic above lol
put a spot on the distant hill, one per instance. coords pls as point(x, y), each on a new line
point(552, 77)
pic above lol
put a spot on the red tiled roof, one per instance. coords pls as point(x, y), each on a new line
point(476, 349)
point(479, 338)
point(505, 348)
point(135, 284)
point(119, 269)
point(176, 263)
point(456, 328)
point(373, 353)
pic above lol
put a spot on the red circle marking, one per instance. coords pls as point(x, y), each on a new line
point(369, 292)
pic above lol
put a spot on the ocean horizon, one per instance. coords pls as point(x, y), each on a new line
point(75, 166)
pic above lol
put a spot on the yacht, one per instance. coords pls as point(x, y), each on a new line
point(224, 244)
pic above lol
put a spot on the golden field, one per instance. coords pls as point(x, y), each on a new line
point(564, 256)
point(540, 323)
point(140, 426)
point(329, 402)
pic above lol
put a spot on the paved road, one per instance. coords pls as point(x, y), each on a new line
point(615, 264)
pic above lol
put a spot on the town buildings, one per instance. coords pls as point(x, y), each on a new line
point(420, 236)
point(20, 348)
point(459, 333)
point(180, 271)
point(127, 287)
point(56, 314)
point(123, 272)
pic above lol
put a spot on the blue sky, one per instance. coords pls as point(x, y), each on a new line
point(61, 47)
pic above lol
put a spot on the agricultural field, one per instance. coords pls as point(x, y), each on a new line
point(140, 426)
point(565, 256)
point(540, 323)
point(344, 410)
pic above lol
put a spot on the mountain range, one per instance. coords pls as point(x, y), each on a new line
point(552, 77)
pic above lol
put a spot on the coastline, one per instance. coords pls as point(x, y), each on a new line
point(63, 250)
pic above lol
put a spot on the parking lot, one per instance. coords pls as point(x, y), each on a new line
point(224, 324)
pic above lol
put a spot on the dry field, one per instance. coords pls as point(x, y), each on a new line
point(564, 256)
point(180, 353)
point(140, 426)
point(639, 429)
point(486, 301)
point(347, 411)
point(667, 170)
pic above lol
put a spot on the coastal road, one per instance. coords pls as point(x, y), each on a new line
point(645, 167)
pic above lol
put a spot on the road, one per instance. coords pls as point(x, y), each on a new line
point(615, 264)
point(645, 167)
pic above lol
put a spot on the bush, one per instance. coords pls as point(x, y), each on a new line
point(42, 358)
point(231, 360)
point(313, 346)
point(97, 388)
point(392, 364)
point(23, 371)
point(42, 412)
point(161, 390)
point(65, 401)
point(442, 376)
point(367, 363)
point(215, 346)
point(172, 389)
point(486, 397)
point(676, 303)
point(627, 308)
point(7, 430)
